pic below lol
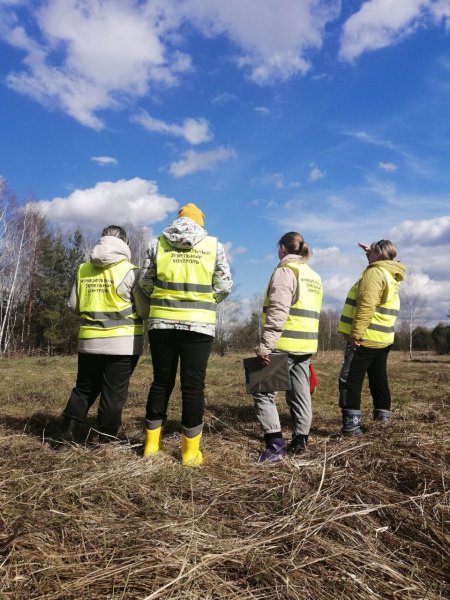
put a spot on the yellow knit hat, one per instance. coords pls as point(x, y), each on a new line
point(192, 212)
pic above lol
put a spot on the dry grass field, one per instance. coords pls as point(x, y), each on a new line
point(354, 519)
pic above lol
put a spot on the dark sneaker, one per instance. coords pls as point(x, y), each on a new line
point(298, 444)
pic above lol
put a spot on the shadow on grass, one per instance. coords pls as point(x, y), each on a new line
point(242, 417)
point(41, 425)
point(220, 419)
point(427, 362)
point(47, 428)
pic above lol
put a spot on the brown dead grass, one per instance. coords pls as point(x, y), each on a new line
point(352, 519)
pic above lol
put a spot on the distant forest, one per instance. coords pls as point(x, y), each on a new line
point(38, 266)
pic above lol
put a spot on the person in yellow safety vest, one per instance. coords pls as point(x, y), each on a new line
point(367, 322)
point(107, 297)
point(185, 275)
point(290, 324)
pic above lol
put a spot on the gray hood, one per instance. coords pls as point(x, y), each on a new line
point(108, 251)
point(184, 233)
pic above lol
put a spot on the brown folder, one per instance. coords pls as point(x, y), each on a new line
point(273, 377)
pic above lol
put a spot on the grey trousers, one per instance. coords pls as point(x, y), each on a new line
point(298, 399)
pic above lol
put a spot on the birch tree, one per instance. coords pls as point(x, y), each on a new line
point(13, 243)
point(228, 320)
point(412, 305)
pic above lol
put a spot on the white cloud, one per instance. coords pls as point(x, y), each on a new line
point(423, 233)
point(278, 180)
point(224, 98)
point(416, 165)
point(232, 252)
point(324, 257)
point(193, 161)
point(368, 138)
point(273, 39)
point(387, 167)
point(136, 201)
point(432, 295)
point(440, 10)
point(435, 264)
point(93, 55)
point(315, 173)
point(104, 160)
point(382, 23)
point(262, 110)
point(86, 57)
point(194, 131)
point(336, 288)
point(424, 247)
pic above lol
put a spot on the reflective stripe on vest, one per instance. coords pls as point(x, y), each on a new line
point(183, 288)
point(301, 330)
point(104, 314)
point(382, 326)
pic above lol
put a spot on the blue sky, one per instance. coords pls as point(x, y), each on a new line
point(329, 118)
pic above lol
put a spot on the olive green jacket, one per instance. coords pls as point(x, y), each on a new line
point(371, 289)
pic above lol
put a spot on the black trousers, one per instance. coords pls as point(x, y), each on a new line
point(358, 362)
point(169, 347)
point(107, 375)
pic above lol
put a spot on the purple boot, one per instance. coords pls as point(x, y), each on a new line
point(275, 450)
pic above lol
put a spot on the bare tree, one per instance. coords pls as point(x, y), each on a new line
point(329, 338)
point(229, 318)
point(412, 305)
point(139, 239)
point(13, 246)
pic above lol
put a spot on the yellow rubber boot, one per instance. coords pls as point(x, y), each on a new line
point(152, 443)
point(191, 455)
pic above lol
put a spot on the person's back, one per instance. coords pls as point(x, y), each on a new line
point(104, 299)
point(185, 275)
point(107, 297)
point(368, 324)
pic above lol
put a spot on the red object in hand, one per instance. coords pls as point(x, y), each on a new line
point(313, 379)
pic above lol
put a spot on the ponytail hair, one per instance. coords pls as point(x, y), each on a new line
point(295, 244)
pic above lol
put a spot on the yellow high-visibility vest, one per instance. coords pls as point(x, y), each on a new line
point(103, 312)
point(382, 326)
point(301, 330)
point(183, 288)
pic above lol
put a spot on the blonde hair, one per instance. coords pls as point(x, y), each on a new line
point(385, 248)
point(295, 244)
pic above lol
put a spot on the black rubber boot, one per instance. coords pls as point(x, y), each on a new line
point(67, 436)
point(106, 436)
point(69, 428)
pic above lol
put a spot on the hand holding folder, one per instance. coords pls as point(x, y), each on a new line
point(273, 377)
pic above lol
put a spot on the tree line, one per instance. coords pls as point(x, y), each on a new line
point(38, 266)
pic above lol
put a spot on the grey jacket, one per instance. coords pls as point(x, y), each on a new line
point(108, 251)
point(186, 233)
